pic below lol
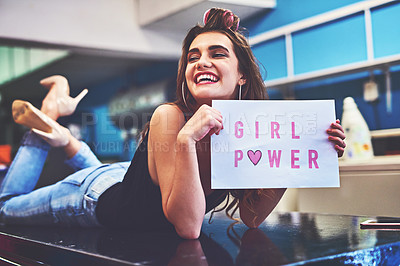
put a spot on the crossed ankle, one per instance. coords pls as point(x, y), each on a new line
point(33, 140)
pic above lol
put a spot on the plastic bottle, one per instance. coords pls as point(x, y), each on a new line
point(358, 137)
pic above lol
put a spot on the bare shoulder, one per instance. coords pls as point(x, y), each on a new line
point(168, 108)
point(167, 118)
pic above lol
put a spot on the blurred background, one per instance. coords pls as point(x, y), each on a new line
point(126, 53)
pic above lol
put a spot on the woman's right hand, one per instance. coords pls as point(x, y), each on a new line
point(206, 120)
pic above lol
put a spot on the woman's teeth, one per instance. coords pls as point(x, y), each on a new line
point(206, 78)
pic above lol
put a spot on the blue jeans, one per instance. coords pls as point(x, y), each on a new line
point(69, 202)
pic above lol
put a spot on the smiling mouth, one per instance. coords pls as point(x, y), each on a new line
point(206, 78)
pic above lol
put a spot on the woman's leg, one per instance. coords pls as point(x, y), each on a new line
point(70, 202)
point(28, 163)
point(61, 203)
point(26, 167)
point(82, 159)
point(50, 205)
point(18, 203)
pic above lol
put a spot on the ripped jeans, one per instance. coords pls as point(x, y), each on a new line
point(69, 202)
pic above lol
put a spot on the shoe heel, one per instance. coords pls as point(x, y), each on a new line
point(24, 113)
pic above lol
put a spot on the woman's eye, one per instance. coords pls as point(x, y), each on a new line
point(220, 55)
point(192, 58)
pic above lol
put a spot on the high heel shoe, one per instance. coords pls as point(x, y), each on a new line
point(26, 114)
point(58, 102)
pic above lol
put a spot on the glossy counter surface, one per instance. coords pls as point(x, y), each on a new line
point(284, 238)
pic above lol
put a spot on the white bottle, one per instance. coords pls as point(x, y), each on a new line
point(358, 137)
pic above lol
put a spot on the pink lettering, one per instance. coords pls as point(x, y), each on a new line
point(293, 133)
point(294, 158)
point(274, 158)
point(238, 157)
point(312, 158)
point(257, 128)
point(238, 131)
point(275, 129)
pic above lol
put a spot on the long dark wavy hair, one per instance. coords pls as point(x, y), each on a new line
point(225, 22)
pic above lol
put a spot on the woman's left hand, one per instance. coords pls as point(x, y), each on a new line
point(337, 136)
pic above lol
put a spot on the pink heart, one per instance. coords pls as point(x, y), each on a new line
point(254, 156)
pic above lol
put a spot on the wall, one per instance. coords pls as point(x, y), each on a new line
point(375, 113)
point(289, 11)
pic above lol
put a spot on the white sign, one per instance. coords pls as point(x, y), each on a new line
point(274, 144)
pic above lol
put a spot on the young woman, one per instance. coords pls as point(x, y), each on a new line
point(168, 181)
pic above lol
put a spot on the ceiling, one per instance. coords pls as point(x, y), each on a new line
point(185, 18)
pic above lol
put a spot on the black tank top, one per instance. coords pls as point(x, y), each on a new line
point(136, 201)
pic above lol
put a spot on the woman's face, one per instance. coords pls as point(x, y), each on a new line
point(212, 70)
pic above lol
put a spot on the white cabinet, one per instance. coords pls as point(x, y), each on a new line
point(367, 188)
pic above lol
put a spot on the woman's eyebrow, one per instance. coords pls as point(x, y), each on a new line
point(215, 47)
point(211, 48)
point(193, 50)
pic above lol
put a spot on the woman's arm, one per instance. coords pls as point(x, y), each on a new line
point(177, 167)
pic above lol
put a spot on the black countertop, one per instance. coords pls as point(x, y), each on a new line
point(284, 238)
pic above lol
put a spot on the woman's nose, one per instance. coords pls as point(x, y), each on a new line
point(203, 62)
